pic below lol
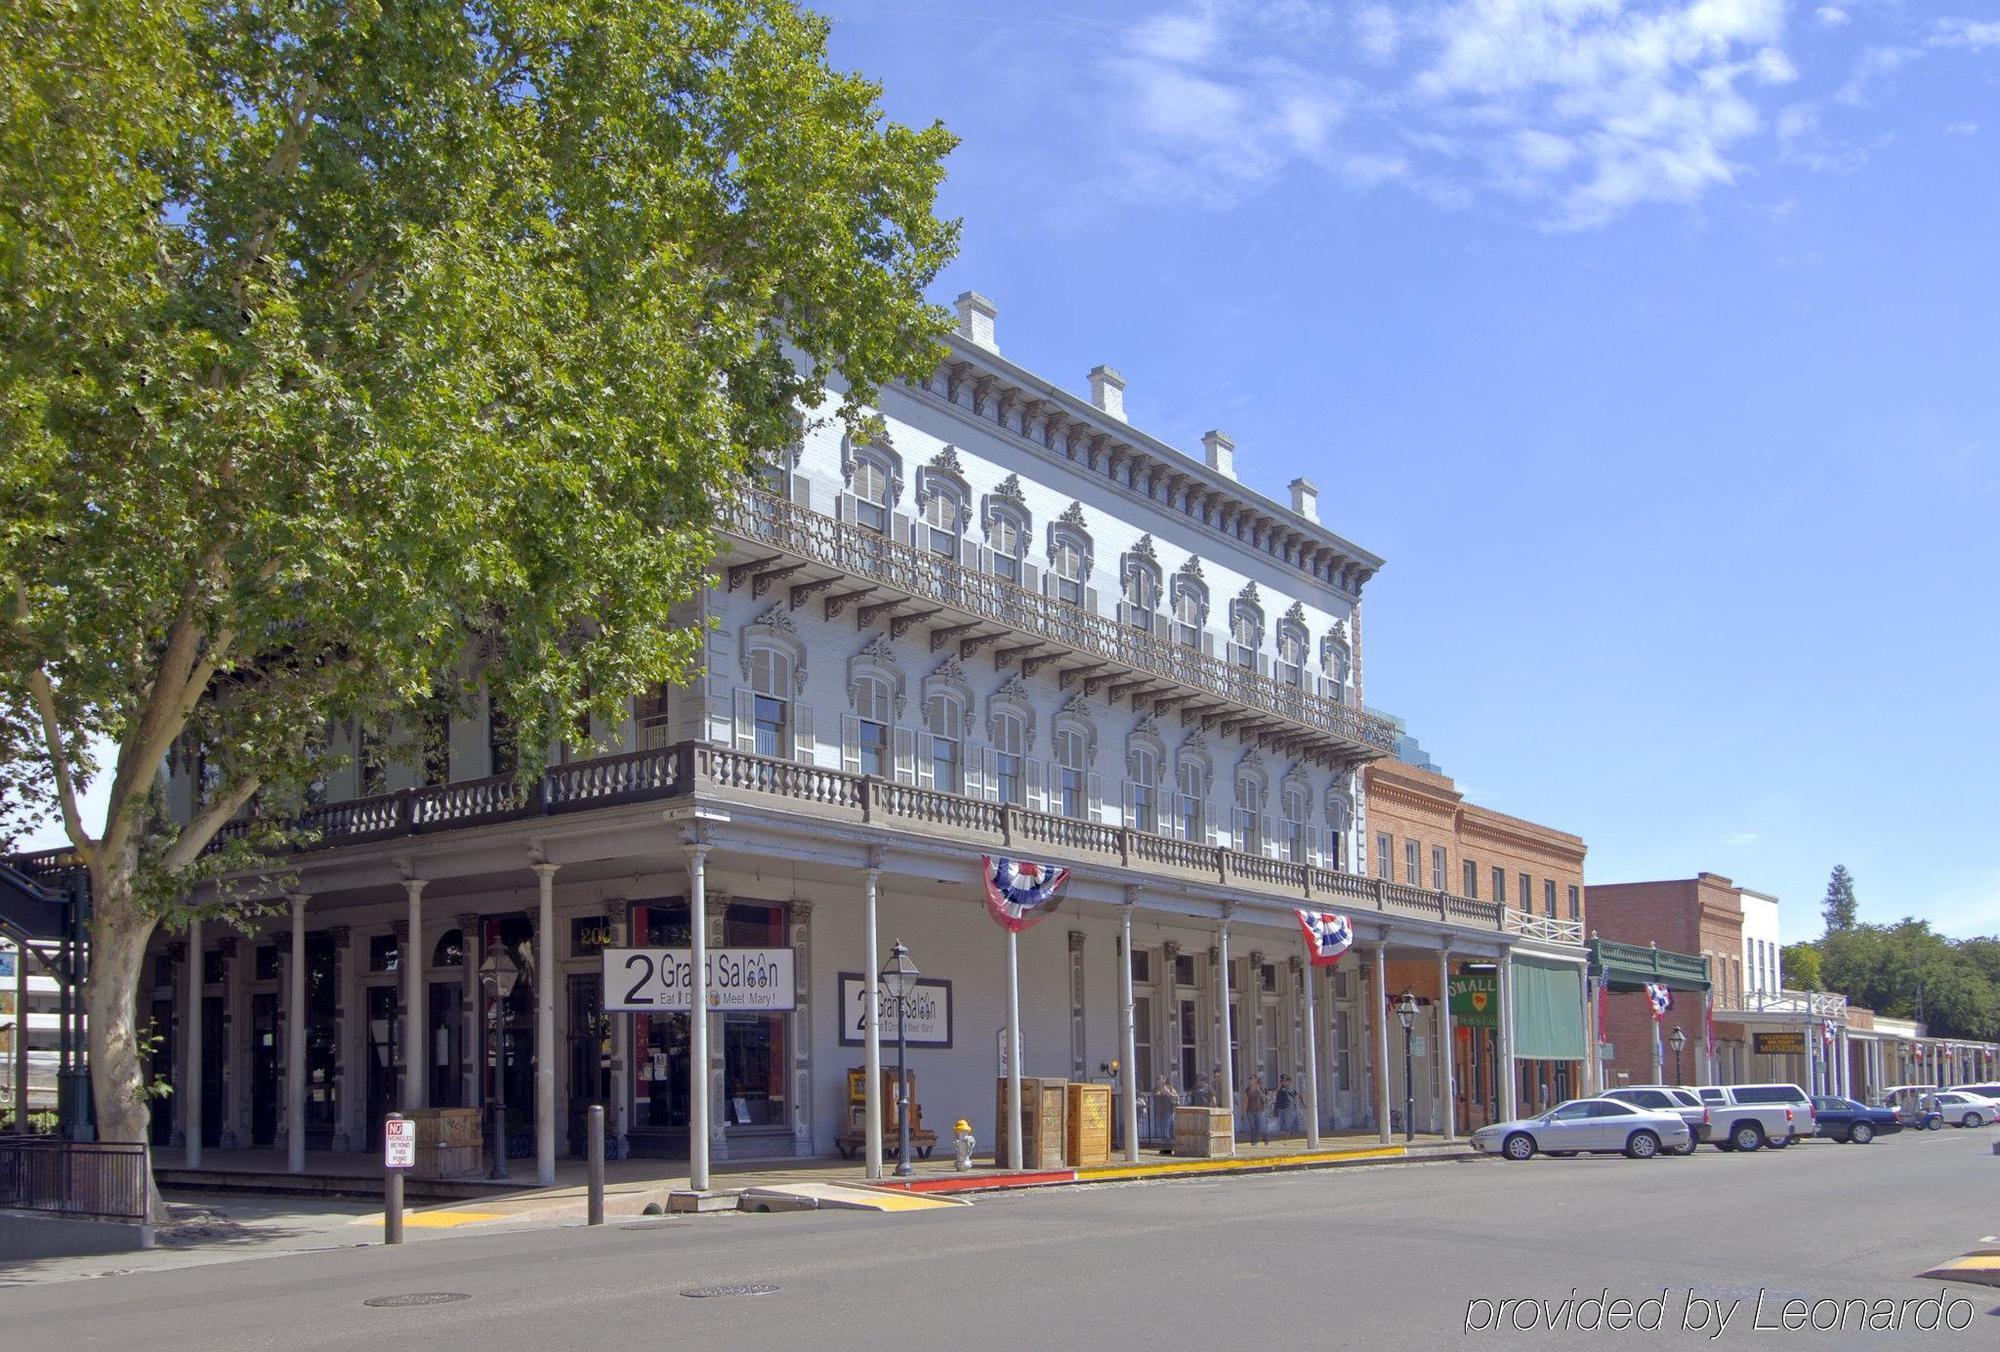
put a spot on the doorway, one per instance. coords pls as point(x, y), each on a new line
point(589, 1056)
point(385, 1058)
point(214, 1060)
point(264, 1070)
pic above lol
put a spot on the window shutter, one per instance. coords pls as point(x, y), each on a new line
point(984, 563)
point(746, 720)
point(1031, 577)
point(975, 782)
point(1160, 623)
point(802, 491)
point(926, 767)
point(968, 553)
point(1128, 807)
point(1263, 664)
point(1090, 599)
point(1038, 786)
point(902, 529)
point(904, 761)
point(1207, 644)
point(804, 750)
point(992, 776)
point(843, 509)
point(1093, 790)
point(850, 743)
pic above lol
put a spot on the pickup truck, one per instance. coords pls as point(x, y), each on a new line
point(1749, 1116)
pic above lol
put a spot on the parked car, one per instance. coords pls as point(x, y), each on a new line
point(1586, 1126)
point(1965, 1110)
point(1843, 1119)
point(1668, 1098)
point(1986, 1091)
point(1750, 1116)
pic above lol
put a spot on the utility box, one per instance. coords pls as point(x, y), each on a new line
point(1089, 1126)
point(1044, 1125)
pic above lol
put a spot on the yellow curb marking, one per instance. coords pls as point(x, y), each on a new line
point(435, 1220)
point(1234, 1166)
point(1977, 1262)
point(898, 1201)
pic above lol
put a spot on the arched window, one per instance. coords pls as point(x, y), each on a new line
point(1334, 661)
point(1299, 838)
point(1190, 609)
point(1246, 631)
point(1292, 647)
point(1070, 783)
point(1069, 564)
point(771, 701)
point(1143, 762)
point(1007, 537)
point(873, 499)
point(942, 510)
point(450, 950)
point(873, 712)
point(1339, 823)
point(1140, 587)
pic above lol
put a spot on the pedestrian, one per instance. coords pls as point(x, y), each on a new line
point(1254, 1102)
point(1165, 1099)
point(1201, 1096)
point(1286, 1102)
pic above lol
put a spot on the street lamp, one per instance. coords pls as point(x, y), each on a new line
point(1406, 1012)
point(499, 971)
point(899, 979)
point(1679, 1042)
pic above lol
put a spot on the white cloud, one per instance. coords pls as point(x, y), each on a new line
point(1830, 17)
point(1176, 37)
point(1377, 33)
point(1741, 838)
point(1872, 71)
point(1775, 68)
point(1965, 128)
point(1966, 33)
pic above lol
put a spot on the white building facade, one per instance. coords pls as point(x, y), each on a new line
point(1011, 624)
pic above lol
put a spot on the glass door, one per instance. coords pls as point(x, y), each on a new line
point(385, 1058)
point(214, 1059)
point(446, 1044)
point(264, 1070)
point(589, 1055)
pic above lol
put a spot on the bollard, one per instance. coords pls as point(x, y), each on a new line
point(596, 1164)
point(392, 1188)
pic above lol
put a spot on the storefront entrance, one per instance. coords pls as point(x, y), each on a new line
point(264, 1070)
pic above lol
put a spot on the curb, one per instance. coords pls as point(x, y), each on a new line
point(1122, 1173)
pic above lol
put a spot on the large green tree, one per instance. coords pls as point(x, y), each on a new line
point(346, 338)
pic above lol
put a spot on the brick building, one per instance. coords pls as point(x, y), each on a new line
point(1702, 915)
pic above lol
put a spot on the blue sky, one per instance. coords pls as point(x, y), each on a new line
point(1654, 346)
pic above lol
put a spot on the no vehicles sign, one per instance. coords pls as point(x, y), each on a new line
point(399, 1143)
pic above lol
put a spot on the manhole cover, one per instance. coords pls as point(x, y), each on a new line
point(416, 1298)
point(740, 1289)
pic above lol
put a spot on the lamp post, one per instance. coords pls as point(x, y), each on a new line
point(1406, 1013)
point(499, 971)
point(899, 980)
point(1679, 1042)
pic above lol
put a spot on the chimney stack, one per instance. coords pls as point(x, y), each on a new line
point(1107, 391)
point(975, 320)
point(1221, 453)
point(1305, 499)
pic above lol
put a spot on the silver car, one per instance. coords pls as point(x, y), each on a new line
point(1587, 1126)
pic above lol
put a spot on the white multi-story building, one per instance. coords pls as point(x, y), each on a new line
point(1763, 967)
point(1012, 624)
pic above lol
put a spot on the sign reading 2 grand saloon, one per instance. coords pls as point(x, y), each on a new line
point(661, 980)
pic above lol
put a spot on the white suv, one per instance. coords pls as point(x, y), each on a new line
point(1747, 1116)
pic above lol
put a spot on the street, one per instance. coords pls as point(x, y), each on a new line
point(1392, 1257)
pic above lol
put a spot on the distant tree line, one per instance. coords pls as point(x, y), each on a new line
point(1905, 970)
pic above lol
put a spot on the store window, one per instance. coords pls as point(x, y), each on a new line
point(753, 1043)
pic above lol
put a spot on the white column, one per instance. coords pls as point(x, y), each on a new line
point(871, 1026)
point(1014, 1132)
point(192, 1023)
point(1379, 1021)
point(1446, 1050)
point(545, 1027)
point(620, 1107)
point(1225, 1093)
point(1128, 1042)
point(1510, 1103)
point(1309, 977)
point(416, 1016)
point(698, 1018)
point(295, 1040)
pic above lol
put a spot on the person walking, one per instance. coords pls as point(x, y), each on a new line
point(1201, 1096)
point(1255, 1101)
point(1286, 1104)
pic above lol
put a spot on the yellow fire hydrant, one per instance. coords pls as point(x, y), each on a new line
point(962, 1145)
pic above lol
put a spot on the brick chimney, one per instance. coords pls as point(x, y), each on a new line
point(1305, 499)
point(1107, 391)
point(975, 320)
point(1221, 453)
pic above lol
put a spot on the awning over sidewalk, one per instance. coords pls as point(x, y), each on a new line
point(1633, 967)
point(1548, 1009)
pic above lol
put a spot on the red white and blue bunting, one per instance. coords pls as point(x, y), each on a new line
point(1328, 935)
point(1660, 998)
point(1021, 893)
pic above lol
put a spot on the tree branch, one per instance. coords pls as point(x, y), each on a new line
point(197, 833)
point(45, 705)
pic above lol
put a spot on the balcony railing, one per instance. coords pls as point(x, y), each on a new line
point(1793, 1004)
point(1544, 927)
point(766, 520)
point(858, 801)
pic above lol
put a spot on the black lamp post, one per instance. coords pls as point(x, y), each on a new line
point(899, 979)
point(1679, 1042)
point(1406, 1011)
point(499, 971)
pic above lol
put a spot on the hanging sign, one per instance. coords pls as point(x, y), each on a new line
point(1475, 1001)
point(926, 1012)
point(1778, 1044)
point(660, 980)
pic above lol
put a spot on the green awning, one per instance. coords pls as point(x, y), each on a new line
point(1548, 1010)
point(1633, 967)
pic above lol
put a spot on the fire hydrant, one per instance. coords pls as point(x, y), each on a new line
point(962, 1145)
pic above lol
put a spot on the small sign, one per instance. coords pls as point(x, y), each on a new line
point(399, 1143)
point(661, 980)
point(1778, 1044)
point(926, 1012)
point(1417, 1044)
point(1475, 1001)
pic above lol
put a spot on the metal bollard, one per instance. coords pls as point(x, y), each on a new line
point(392, 1196)
point(596, 1164)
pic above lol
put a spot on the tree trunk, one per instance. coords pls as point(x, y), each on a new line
point(119, 929)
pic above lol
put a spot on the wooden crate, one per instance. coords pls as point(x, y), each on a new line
point(1044, 1113)
point(1089, 1133)
point(1203, 1133)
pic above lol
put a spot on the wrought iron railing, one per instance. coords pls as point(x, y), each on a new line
point(767, 520)
point(100, 1179)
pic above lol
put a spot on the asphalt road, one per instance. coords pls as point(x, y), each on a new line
point(1388, 1258)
